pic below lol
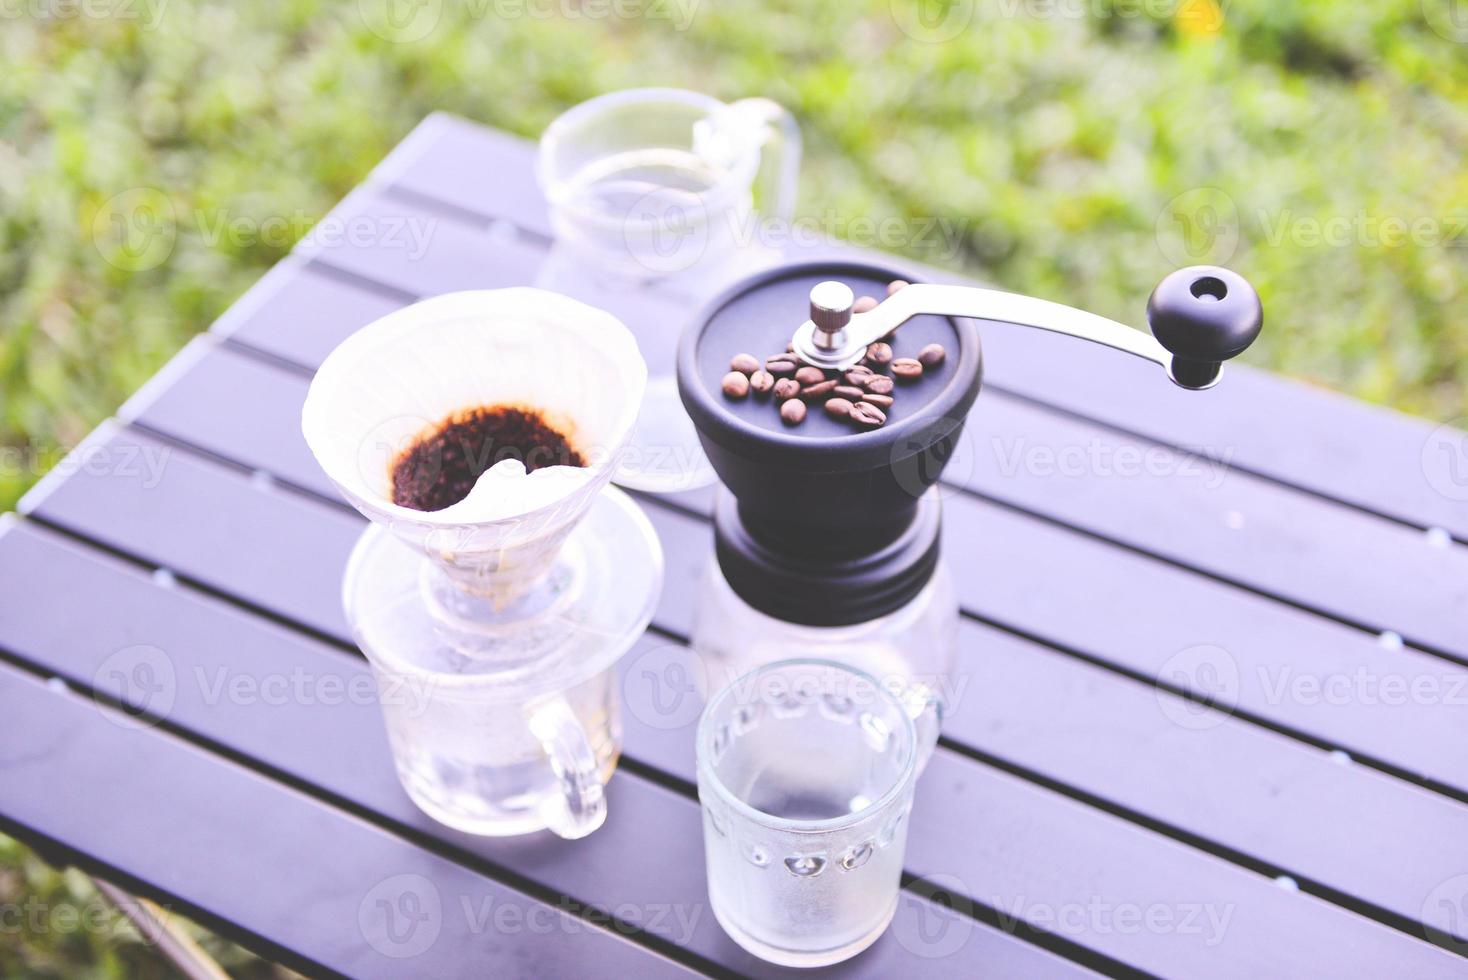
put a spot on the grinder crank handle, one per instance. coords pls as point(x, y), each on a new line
point(1200, 317)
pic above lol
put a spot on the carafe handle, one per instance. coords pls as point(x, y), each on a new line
point(581, 806)
point(777, 133)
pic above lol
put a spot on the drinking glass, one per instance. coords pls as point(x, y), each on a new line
point(806, 771)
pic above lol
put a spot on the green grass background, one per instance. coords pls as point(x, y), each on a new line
point(1083, 147)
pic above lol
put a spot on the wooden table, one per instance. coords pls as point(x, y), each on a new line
point(1124, 551)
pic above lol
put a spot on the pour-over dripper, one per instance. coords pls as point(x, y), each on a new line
point(394, 381)
point(492, 623)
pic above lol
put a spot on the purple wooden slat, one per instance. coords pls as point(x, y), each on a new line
point(1299, 434)
point(417, 251)
point(264, 863)
point(1242, 528)
point(1143, 615)
point(299, 312)
point(310, 711)
point(1197, 510)
point(1002, 868)
point(687, 543)
point(171, 508)
point(1340, 448)
point(1034, 856)
point(491, 172)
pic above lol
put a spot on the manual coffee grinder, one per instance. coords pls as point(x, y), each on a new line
point(827, 528)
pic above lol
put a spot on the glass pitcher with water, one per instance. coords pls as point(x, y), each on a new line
point(656, 197)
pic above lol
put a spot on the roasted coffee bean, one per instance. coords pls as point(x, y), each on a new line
point(879, 353)
point(907, 369)
point(895, 285)
point(853, 392)
point(760, 382)
point(744, 363)
point(864, 305)
point(781, 367)
point(857, 375)
point(881, 401)
point(810, 375)
point(878, 384)
point(867, 415)
point(932, 355)
point(819, 390)
point(838, 408)
point(787, 388)
point(736, 385)
point(793, 411)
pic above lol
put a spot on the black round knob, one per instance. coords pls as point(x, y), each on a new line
point(1204, 315)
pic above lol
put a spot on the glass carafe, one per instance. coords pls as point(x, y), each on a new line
point(657, 194)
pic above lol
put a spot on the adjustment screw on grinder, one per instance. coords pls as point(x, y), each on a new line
point(831, 303)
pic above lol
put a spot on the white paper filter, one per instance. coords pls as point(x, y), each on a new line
point(408, 372)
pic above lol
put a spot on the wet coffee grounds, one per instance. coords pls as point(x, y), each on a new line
point(442, 465)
